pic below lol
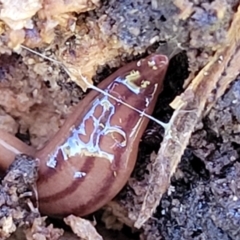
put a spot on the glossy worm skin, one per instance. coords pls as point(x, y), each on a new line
point(91, 157)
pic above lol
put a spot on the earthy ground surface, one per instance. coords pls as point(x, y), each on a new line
point(36, 96)
point(204, 200)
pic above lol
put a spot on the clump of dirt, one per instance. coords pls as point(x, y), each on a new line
point(198, 27)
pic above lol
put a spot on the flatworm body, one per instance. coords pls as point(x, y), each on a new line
point(92, 156)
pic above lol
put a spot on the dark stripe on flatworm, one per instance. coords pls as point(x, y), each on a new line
point(86, 168)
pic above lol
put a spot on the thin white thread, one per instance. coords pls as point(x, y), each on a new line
point(164, 125)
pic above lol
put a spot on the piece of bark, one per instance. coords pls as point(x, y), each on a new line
point(189, 108)
point(82, 228)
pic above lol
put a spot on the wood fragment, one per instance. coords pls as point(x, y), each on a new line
point(190, 107)
point(83, 228)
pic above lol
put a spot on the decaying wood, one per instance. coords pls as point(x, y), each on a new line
point(83, 228)
point(190, 107)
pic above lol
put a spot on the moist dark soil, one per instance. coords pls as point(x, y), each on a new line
point(203, 200)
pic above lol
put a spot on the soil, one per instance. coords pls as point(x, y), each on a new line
point(202, 201)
